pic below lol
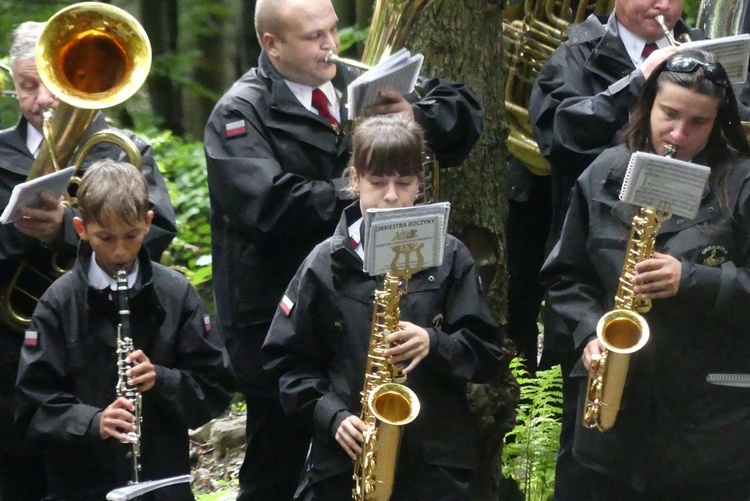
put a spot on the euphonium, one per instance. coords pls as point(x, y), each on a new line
point(387, 405)
point(391, 22)
point(91, 56)
point(123, 389)
point(622, 331)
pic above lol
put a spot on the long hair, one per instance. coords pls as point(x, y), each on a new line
point(726, 138)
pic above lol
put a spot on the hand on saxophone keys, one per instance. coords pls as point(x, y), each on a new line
point(593, 351)
point(349, 436)
point(658, 277)
point(412, 343)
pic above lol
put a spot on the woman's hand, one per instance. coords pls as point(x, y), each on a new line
point(349, 436)
point(657, 277)
point(592, 350)
point(411, 342)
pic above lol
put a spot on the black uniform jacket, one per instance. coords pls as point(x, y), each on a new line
point(582, 99)
point(319, 351)
point(69, 377)
point(673, 427)
point(15, 163)
point(272, 195)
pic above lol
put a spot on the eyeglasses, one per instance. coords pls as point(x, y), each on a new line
point(713, 71)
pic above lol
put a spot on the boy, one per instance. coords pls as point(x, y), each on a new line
point(68, 372)
point(318, 341)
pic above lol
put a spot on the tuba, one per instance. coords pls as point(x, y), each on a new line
point(91, 56)
point(622, 331)
point(531, 33)
point(387, 405)
point(390, 25)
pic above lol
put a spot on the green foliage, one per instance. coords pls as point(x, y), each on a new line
point(351, 36)
point(227, 492)
point(184, 167)
point(690, 11)
point(530, 451)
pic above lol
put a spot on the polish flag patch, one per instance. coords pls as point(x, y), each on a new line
point(236, 128)
point(207, 322)
point(31, 338)
point(286, 305)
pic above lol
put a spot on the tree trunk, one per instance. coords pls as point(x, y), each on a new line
point(248, 47)
point(461, 41)
point(213, 69)
point(159, 19)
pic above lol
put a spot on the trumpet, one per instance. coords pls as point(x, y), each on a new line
point(667, 32)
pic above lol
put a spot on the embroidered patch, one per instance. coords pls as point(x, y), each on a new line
point(286, 305)
point(207, 322)
point(31, 338)
point(714, 255)
point(236, 128)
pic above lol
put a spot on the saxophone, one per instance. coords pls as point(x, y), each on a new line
point(622, 331)
point(125, 348)
point(387, 404)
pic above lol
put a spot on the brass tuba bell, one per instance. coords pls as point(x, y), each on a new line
point(91, 56)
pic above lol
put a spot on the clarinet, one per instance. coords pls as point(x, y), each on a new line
point(125, 348)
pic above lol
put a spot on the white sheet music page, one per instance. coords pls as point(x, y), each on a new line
point(398, 72)
point(665, 184)
point(405, 240)
point(732, 52)
point(26, 194)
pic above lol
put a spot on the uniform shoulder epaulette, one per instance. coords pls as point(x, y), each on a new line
point(590, 29)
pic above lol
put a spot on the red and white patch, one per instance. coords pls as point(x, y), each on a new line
point(207, 322)
point(286, 305)
point(31, 338)
point(236, 128)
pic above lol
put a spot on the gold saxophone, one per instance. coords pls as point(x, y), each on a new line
point(387, 405)
point(622, 331)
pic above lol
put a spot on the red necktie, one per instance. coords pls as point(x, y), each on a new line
point(320, 103)
point(648, 49)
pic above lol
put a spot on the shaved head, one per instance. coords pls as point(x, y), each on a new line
point(269, 17)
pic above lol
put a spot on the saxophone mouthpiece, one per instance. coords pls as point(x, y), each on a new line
point(670, 150)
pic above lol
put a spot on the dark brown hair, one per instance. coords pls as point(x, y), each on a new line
point(113, 191)
point(387, 145)
point(727, 136)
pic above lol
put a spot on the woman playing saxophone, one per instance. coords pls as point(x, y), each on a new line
point(676, 437)
point(440, 331)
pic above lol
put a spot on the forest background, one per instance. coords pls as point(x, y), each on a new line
point(201, 47)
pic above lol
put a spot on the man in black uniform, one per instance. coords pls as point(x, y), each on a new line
point(276, 146)
point(44, 235)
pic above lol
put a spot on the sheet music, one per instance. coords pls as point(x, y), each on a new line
point(732, 52)
point(398, 72)
point(665, 184)
point(27, 194)
point(403, 241)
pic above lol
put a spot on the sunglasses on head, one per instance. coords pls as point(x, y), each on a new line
point(713, 71)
